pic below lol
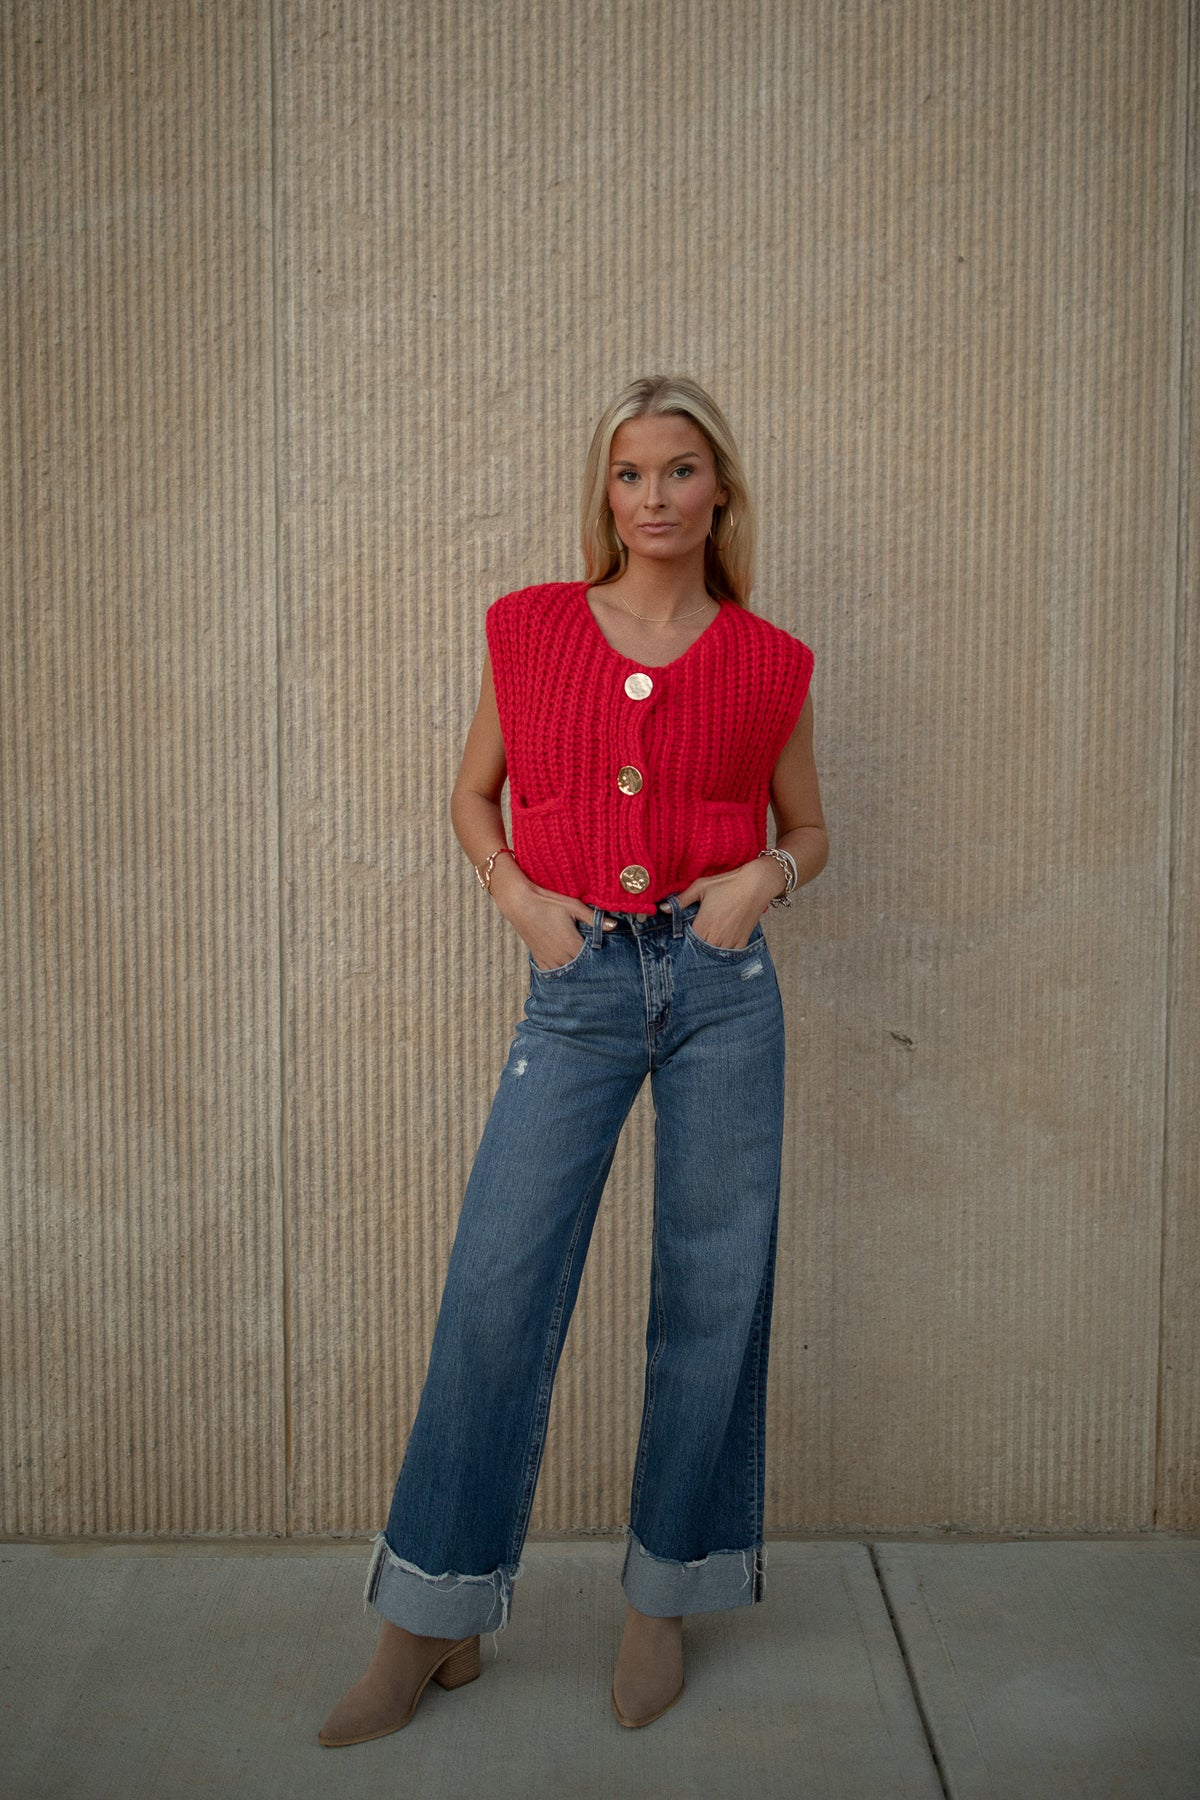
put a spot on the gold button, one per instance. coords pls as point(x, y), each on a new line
point(635, 879)
point(629, 779)
point(638, 686)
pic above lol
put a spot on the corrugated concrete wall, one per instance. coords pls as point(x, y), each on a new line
point(309, 311)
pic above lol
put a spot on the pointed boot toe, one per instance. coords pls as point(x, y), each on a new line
point(648, 1718)
point(366, 1711)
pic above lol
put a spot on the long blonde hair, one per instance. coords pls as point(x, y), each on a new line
point(729, 550)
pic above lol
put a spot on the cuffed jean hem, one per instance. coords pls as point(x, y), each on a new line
point(665, 1590)
point(446, 1605)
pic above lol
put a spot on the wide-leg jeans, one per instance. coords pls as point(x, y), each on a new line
point(648, 997)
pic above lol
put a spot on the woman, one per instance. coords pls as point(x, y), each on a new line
point(642, 718)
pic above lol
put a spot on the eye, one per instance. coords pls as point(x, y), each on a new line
point(684, 469)
point(627, 475)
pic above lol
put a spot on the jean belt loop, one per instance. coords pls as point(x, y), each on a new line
point(597, 927)
point(676, 916)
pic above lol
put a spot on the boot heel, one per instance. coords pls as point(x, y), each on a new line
point(461, 1666)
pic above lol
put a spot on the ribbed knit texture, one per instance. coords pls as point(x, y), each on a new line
point(705, 742)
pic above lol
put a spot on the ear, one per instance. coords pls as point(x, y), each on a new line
point(722, 498)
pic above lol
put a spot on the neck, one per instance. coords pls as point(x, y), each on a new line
point(660, 589)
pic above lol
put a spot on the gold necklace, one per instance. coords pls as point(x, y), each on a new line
point(671, 618)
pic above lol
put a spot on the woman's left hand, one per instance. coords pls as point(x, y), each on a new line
point(731, 903)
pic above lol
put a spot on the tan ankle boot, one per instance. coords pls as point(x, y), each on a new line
point(649, 1673)
point(400, 1670)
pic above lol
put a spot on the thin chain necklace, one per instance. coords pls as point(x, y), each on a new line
point(669, 620)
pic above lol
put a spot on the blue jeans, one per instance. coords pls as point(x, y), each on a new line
point(647, 997)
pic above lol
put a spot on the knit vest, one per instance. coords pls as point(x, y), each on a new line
point(627, 782)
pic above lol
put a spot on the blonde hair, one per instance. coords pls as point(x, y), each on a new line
point(729, 551)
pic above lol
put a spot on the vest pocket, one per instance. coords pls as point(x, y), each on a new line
point(544, 844)
point(727, 834)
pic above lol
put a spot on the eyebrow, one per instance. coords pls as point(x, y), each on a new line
point(623, 462)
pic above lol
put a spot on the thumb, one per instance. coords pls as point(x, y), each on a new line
point(689, 894)
point(585, 916)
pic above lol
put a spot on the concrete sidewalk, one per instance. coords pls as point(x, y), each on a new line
point(1027, 1670)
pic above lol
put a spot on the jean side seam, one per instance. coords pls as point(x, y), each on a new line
point(756, 1435)
point(535, 1445)
point(758, 1408)
point(660, 1339)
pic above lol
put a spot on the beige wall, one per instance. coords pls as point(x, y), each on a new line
point(309, 311)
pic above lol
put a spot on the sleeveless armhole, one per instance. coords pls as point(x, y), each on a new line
point(501, 635)
point(797, 678)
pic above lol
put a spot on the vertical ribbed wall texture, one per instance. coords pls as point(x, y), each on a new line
point(1178, 1478)
point(309, 312)
point(143, 1335)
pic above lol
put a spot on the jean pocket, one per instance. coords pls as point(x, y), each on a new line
point(571, 963)
point(727, 953)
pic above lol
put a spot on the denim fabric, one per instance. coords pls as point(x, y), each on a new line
point(649, 997)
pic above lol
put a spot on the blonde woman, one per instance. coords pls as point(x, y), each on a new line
point(644, 718)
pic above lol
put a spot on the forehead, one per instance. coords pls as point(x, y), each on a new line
point(658, 439)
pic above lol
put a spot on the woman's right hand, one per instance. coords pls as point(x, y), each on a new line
point(544, 919)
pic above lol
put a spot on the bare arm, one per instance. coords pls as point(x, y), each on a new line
point(475, 802)
point(796, 802)
point(541, 917)
point(732, 901)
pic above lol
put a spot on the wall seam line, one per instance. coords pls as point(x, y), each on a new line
point(1187, 255)
point(281, 1069)
point(910, 1671)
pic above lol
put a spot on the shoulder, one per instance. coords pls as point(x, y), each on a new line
point(780, 648)
point(516, 626)
point(546, 596)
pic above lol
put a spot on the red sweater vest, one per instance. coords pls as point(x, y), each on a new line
point(627, 782)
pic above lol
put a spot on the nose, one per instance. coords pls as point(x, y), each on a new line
point(655, 498)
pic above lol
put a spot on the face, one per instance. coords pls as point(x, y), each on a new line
point(662, 486)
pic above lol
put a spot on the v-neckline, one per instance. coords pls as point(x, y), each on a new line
point(635, 662)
